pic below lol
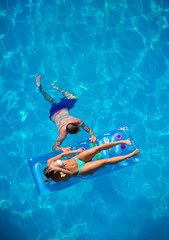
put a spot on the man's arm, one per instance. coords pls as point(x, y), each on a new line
point(59, 140)
point(93, 138)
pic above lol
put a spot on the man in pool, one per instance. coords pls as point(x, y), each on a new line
point(59, 114)
point(81, 164)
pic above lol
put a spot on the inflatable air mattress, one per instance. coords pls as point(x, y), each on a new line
point(37, 164)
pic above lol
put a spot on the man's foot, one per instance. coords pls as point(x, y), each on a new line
point(57, 88)
point(53, 84)
point(67, 94)
point(38, 78)
point(127, 142)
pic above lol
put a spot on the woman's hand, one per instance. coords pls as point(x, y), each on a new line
point(54, 168)
point(80, 150)
point(62, 174)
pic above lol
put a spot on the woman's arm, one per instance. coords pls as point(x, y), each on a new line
point(63, 174)
point(65, 171)
point(64, 154)
point(54, 159)
point(68, 153)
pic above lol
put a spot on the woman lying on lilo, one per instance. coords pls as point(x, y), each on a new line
point(82, 165)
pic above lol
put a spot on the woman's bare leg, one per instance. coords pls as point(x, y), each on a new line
point(91, 167)
point(45, 95)
point(90, 153)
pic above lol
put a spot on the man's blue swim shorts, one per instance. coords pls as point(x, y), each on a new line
point(64, 103)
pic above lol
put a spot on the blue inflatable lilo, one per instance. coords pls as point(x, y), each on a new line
point(37, 164)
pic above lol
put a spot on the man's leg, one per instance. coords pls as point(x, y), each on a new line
point(67, 94)
point(45, 95)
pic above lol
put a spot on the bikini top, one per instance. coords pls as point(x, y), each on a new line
point(60, 162)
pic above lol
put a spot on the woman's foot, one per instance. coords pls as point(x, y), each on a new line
point(38, 78)
point(127, 142)
point(136, 152)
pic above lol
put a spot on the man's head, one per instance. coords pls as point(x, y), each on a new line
point(72, 128)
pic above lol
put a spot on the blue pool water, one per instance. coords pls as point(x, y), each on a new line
point(114, 55)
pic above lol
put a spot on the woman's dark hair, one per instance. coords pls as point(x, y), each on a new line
point(49, 173)
point(72, 128)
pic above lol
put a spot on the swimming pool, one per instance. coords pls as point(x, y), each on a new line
point(114, 56)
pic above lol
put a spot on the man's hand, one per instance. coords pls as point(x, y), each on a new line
point(93, 139)
point(64, 149)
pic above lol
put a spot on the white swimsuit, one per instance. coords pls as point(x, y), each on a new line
point(60, 162)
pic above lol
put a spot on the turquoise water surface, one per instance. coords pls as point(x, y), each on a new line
point(114, 56)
